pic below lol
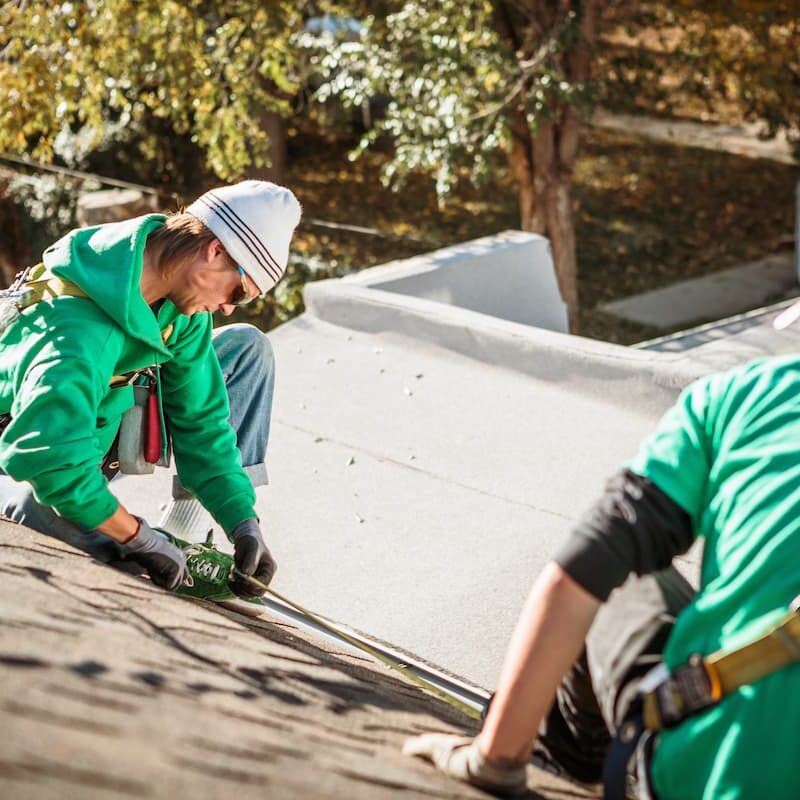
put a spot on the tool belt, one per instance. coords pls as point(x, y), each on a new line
point(695, 687)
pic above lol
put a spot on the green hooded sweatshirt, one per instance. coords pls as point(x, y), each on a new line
point(56, 362)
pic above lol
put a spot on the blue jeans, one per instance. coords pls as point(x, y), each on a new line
point(248, 366)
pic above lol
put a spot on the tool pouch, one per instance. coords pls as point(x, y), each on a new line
point(140, 442)
point(132, 436)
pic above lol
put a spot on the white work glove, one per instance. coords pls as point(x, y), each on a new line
point(250, 557)
point(459, 757)
point(165, 563)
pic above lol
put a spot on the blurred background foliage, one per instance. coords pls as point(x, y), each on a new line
point(147, 74)
point(424, 122)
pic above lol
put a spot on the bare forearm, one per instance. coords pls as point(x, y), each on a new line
point(547, 640)
point(121, 526)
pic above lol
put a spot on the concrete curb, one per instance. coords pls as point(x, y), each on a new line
point(587, 365)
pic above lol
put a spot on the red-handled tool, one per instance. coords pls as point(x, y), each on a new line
point(152, 431)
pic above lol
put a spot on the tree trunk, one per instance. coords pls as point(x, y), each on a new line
point(561, 232)
point(542, 157)
point(545, 197)
point(275, 126)
point(521, 161)
point(555, 147)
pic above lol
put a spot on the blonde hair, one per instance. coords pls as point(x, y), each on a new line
point(177, 241)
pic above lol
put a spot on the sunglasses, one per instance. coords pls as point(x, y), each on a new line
point(241, 294)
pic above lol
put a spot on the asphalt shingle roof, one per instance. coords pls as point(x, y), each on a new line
point(114, 688)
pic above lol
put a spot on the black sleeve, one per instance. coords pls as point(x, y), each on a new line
point(634, 527)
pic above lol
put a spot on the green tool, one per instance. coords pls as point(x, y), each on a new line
point(209, 573)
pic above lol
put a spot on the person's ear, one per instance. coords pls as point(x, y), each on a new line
point(213, 249)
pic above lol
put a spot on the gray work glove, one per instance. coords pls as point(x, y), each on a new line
point(250, 557)
point(164, 562)
point(459, 757)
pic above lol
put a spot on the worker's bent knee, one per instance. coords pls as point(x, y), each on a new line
point(243, 345)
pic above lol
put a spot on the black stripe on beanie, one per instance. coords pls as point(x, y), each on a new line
point(256, 238)
point(223, 212)
point(246, 235)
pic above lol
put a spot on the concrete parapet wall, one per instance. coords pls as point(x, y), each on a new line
point(485, 300)
point(619, 373)
point(510, 276)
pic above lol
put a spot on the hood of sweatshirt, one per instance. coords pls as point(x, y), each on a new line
point(105, 261)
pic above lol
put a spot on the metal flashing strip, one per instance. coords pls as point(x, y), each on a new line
point(470, 700)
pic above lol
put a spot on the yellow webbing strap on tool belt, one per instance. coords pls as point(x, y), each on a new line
point(703, 682)
point(42, 287)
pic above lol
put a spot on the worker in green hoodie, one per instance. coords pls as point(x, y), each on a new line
point(130, 303)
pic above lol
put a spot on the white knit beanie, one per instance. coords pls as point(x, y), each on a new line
point(254, 220)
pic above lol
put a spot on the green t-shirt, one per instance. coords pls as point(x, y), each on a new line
point(729, 453)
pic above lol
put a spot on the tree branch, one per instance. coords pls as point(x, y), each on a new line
point(528, 68)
